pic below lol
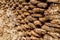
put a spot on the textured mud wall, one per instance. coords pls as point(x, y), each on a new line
point(29, 19)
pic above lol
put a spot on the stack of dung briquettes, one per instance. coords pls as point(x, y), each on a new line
point(32, 19)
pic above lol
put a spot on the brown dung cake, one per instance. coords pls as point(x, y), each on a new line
point(29, 20)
